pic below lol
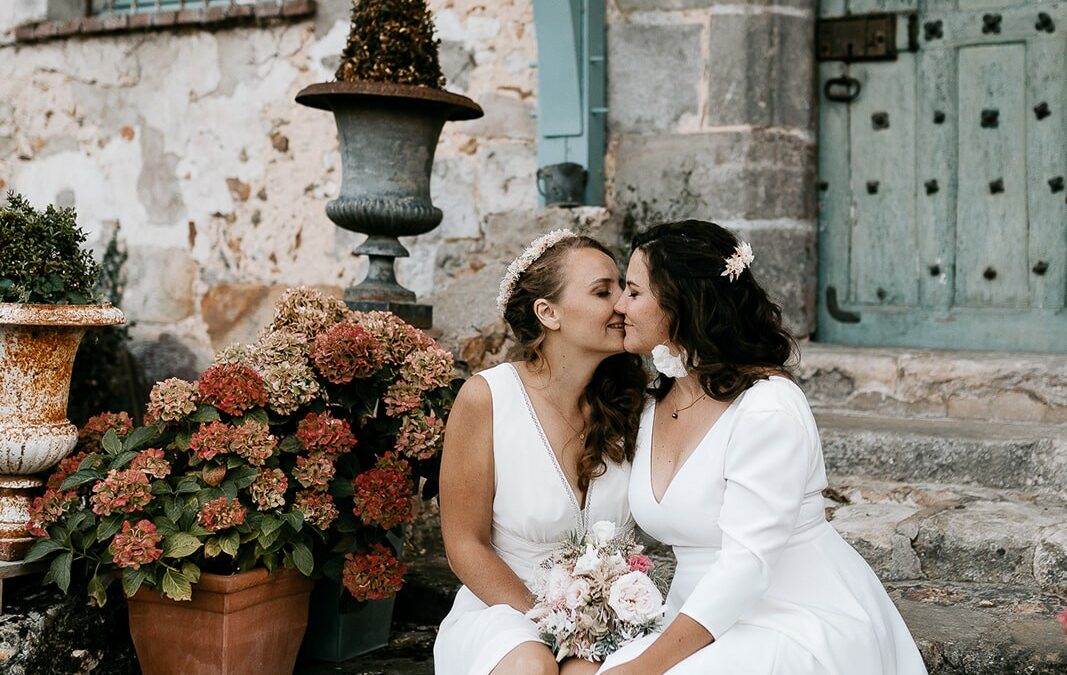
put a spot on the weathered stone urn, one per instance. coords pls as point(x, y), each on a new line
point(388, 134)
point(37, 348)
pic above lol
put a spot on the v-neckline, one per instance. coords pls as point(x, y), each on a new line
point(681, 467)
point(575, 502)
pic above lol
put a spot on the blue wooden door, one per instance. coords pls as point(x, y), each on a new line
point(942, 204)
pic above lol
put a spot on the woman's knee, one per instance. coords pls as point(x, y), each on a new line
point(529, 658)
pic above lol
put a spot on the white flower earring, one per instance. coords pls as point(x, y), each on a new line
point(667, 363)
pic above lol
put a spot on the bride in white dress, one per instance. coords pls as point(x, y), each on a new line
point(729, 471)
point(535, 450)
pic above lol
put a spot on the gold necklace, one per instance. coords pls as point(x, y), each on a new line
point(674, 415)
point(579, 433)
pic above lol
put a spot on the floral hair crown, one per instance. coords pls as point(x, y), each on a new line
point(528, 257)
point(736, 263)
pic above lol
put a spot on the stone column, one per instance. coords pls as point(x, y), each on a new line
point(712, 116)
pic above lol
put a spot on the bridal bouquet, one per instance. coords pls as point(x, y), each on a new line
point(596, 595)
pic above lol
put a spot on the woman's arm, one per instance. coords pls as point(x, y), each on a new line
point(466, 499)
point(766, 470)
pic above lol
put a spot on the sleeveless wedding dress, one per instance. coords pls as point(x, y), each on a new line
point(534, 508)
point(758, 564)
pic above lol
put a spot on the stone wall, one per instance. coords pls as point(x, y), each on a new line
point(189, 145)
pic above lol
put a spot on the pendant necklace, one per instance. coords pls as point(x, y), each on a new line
point(674, 415)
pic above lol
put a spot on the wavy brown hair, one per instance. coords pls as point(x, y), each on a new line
point(615, 394)
point(731, 330)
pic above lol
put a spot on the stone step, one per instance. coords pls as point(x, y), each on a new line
point(972, 452)
point(936, 384)
point(938, 532)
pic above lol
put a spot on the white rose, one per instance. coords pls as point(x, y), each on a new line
point(577, 593)
point(602, 532)
point(587, 562)
point(556, 585)
point(635, 598)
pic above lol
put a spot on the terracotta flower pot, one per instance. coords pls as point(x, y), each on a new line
point(246, 624)
point(37, 348)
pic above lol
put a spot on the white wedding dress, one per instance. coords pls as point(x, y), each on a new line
point(758, 564)
point(534, 508)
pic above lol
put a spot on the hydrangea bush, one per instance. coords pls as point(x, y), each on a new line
point(302, 450)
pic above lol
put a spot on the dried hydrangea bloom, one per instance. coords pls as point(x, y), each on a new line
point(121, 492)
point(136, 545)
point(210, 439)
point(314, 471)
point(321, 432)
point(398, 338)
point(89, 436)
point(385, 494)
point(48, 509)
point(281, 359)
point(268, 490)
point(171, 400)
point(233, 388)
point(152, 462)
point(232, 355)
point(421, 436)
point(375, 575)
point(220, 514)
point(252, 441)
point(67, 466)
point(307, 311)
point(346, 352)
point(401, 398)
point(318, 508)
point(429, 368)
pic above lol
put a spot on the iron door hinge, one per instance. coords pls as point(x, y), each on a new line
point(863, 37)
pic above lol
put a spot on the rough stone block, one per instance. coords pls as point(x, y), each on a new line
point(661, 5)
point(763, 70)
point(655, 74)
point(785, 266)
point(872, 530)
point(506, 176)
point(985, 541)
point(714, 176)
point(160, 285)
point(505, 117)
point(1050, 559)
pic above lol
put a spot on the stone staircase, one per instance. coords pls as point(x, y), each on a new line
point(948, 473)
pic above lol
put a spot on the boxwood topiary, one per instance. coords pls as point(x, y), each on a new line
point(41, 256)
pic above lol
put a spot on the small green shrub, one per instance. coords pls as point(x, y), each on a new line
point(41, 256)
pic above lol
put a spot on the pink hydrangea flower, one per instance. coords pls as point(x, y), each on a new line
point(346, 352)
point(171, 400)
point(152, 462)
point(325, 433)
point(233, 388)
point(136, 545)
point(314, 471)
point(420, 436)
point(268, 490)
point(48, 509)
point(253, 441)
point(318, 507)
point(219, 514)
point(121, 491)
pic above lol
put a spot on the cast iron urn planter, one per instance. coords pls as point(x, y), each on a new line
point(388, 134)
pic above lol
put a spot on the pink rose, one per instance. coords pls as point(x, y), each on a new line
point(558, 582)
point(635, 598)
point(577, 593)
point(640, 563)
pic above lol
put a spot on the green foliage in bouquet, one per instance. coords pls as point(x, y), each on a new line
point(303, 450)
point(41, 256)
point(391, 41)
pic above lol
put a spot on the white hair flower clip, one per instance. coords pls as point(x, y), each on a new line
point(534, 251)
point(667, 363)
point(736, 263)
